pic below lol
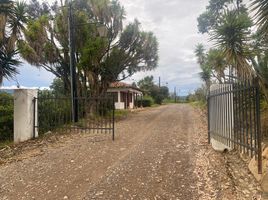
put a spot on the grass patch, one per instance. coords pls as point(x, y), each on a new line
point(121, 114)
point(3, 144)
point(155, 105)
point(168, 101)
point(199, 104)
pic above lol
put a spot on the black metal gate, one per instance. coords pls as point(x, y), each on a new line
point(95, 115)
point(234, 117)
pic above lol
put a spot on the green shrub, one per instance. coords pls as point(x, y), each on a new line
point(6, 116)
point(147, 101)
point(159, 94)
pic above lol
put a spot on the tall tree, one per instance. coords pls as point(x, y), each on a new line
point(232, 36)
point(209, 20)
point(101, 59)
point(261, 7)
point(12, 20)
point(146, 84)
point(200, 54)
point(217, 63)
point(205, 74)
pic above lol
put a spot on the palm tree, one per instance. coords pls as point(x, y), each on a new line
point(261, 7)
point(12, 19)
point(200, 54)
point(216, 60)
point(205, 75)
point(17, 23)
point(8, 64)
point(232, 38)
point(6, 10)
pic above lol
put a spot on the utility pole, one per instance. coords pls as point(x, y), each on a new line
point(175, 94)
point(72, 66)
point(159, 84)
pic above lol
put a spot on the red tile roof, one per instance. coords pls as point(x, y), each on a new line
point(123, 85)
point(120, 85)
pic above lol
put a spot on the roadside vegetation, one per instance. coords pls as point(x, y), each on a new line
point(104, 50)
point(237, 47)
point(198, 98)
point(6, 121)
point(154, 94)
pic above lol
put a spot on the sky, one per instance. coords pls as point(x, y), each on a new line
point(174, 24)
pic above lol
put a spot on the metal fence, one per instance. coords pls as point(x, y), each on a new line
point(6, 117)
point(96, 115)
point(234, 117)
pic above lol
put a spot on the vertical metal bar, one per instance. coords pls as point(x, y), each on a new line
point(240, 116)
point(217, 114)
point(113, 118)
point(34, 116)
point(101, 113)
point(110, 112)
point(246, 115)
point(231, 114)
point(208, 115)
point(212, 108)
point(225, 103)
point(250, 119)
point(96, 117)
point(104, 114)
point(234, 111)
point(259, 130)
point(226, 115)
point(255, 122)
point(221, 114)
point(70, 116)
point(60, 121)
point(243, 116)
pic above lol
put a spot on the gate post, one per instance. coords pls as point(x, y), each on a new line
point(24, 117)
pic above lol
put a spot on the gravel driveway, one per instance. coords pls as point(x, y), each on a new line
point(156, 155)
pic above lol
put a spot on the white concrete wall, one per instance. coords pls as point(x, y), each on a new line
point(119, 105)
point(24, 114)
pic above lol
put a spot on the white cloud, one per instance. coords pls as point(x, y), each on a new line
point(175, 25)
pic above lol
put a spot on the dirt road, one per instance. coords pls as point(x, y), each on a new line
point(158, 154)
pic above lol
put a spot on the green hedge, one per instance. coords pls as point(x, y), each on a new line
point(147, 101)
point(6, 117)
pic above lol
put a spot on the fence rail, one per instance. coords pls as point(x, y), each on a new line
point(234, 117)
point(96, 115)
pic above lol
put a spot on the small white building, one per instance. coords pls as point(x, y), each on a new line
point(125, 95)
